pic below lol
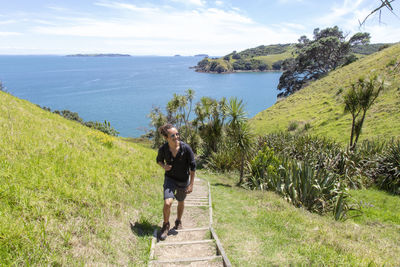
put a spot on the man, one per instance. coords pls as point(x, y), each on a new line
point(177, 159)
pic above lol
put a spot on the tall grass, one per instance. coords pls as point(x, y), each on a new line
point(67, 192)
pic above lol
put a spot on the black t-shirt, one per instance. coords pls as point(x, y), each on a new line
point(181, 164)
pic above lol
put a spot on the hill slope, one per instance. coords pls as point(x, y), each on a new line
point(67, 192)
point(261, 58)
point(320, 104)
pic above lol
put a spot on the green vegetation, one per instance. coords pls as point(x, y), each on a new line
point(67, 192)
point(267, 58)
point(321, 103)
point(314, 58)
point(261, 58)
point(74, 116)
point(358, 100)
point(259, 228)
point(219, 128)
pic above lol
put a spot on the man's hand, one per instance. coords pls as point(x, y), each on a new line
point(167, 167)
point(189, 189)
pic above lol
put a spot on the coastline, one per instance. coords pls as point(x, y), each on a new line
point(233, 71)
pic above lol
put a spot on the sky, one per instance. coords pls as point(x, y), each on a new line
point(184, 27)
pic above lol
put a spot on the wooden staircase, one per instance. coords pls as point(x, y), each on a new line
point(197, 243)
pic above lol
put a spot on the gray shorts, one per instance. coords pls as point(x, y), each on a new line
point(175, 189)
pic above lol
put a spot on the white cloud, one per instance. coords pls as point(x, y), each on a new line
point(200, 3)
point(219, 3)
point(344, 14)
point(128, 7)
point(9, 33)
point(293, 26)
point(289, 1)
point(10, 21)
point(383, 33)
point(176, 31)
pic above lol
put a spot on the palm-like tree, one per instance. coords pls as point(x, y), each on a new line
point(358, 100)
point(239, 131)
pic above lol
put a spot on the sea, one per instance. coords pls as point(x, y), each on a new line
point(123, 90)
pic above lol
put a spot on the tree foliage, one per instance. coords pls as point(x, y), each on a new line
point(219, 130)
point(314, 58)
point(359, 98)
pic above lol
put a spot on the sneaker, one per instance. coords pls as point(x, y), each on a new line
point(164, 231)
point(178, 224)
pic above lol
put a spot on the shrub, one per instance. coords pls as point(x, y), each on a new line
point(301, 184)
point(265, 164)
point(225, 159)
point(236, 56)
point(277, 65)
point(292, 126)
point(220, 68)
point(389, 169)
point(103, 127)
point(307, 126)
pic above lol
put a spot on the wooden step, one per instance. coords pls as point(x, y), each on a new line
point(186, 250)
point(188, 234)
point(186, 242)
point(209, 261)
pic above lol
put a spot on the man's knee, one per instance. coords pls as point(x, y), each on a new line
point(168, 202)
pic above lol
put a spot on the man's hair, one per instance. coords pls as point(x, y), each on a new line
point(163, 130)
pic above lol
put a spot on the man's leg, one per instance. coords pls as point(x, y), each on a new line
point(166, 212)
point(180, 208)
point(167, 209)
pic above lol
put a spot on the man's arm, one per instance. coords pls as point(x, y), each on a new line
point(190, 187)
point(164, 166)
point(161, 159)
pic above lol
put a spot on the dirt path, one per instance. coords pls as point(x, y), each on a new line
point(196, 244)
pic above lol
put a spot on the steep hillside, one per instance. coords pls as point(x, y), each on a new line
point(320, 104)
point(67, 192)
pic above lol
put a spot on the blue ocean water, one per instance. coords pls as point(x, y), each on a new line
point(123, 90)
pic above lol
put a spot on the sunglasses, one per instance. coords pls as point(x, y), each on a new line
point(173, 135)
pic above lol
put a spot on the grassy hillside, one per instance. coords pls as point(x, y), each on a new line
point(67, 193)
point(260, 58)
point(320, 104)
point(259, 228)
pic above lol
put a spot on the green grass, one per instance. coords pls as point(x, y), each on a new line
point(271, 59)
point(377, 206)
point(321, 103)
point(261, 229)
point(67, 192)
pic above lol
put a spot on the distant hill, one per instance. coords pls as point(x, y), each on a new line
point(318, 108)
point(260, 58)
point(264, 58)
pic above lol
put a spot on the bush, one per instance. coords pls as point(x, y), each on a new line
point(225, 159)
point(307, 126)
point(292, 126)
point(317, 190)
point(236, 56)
point(264, 165)
point(203, 63)
point(220, 69)
point(389, 169)
point(103, 127)
point(277, 65)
